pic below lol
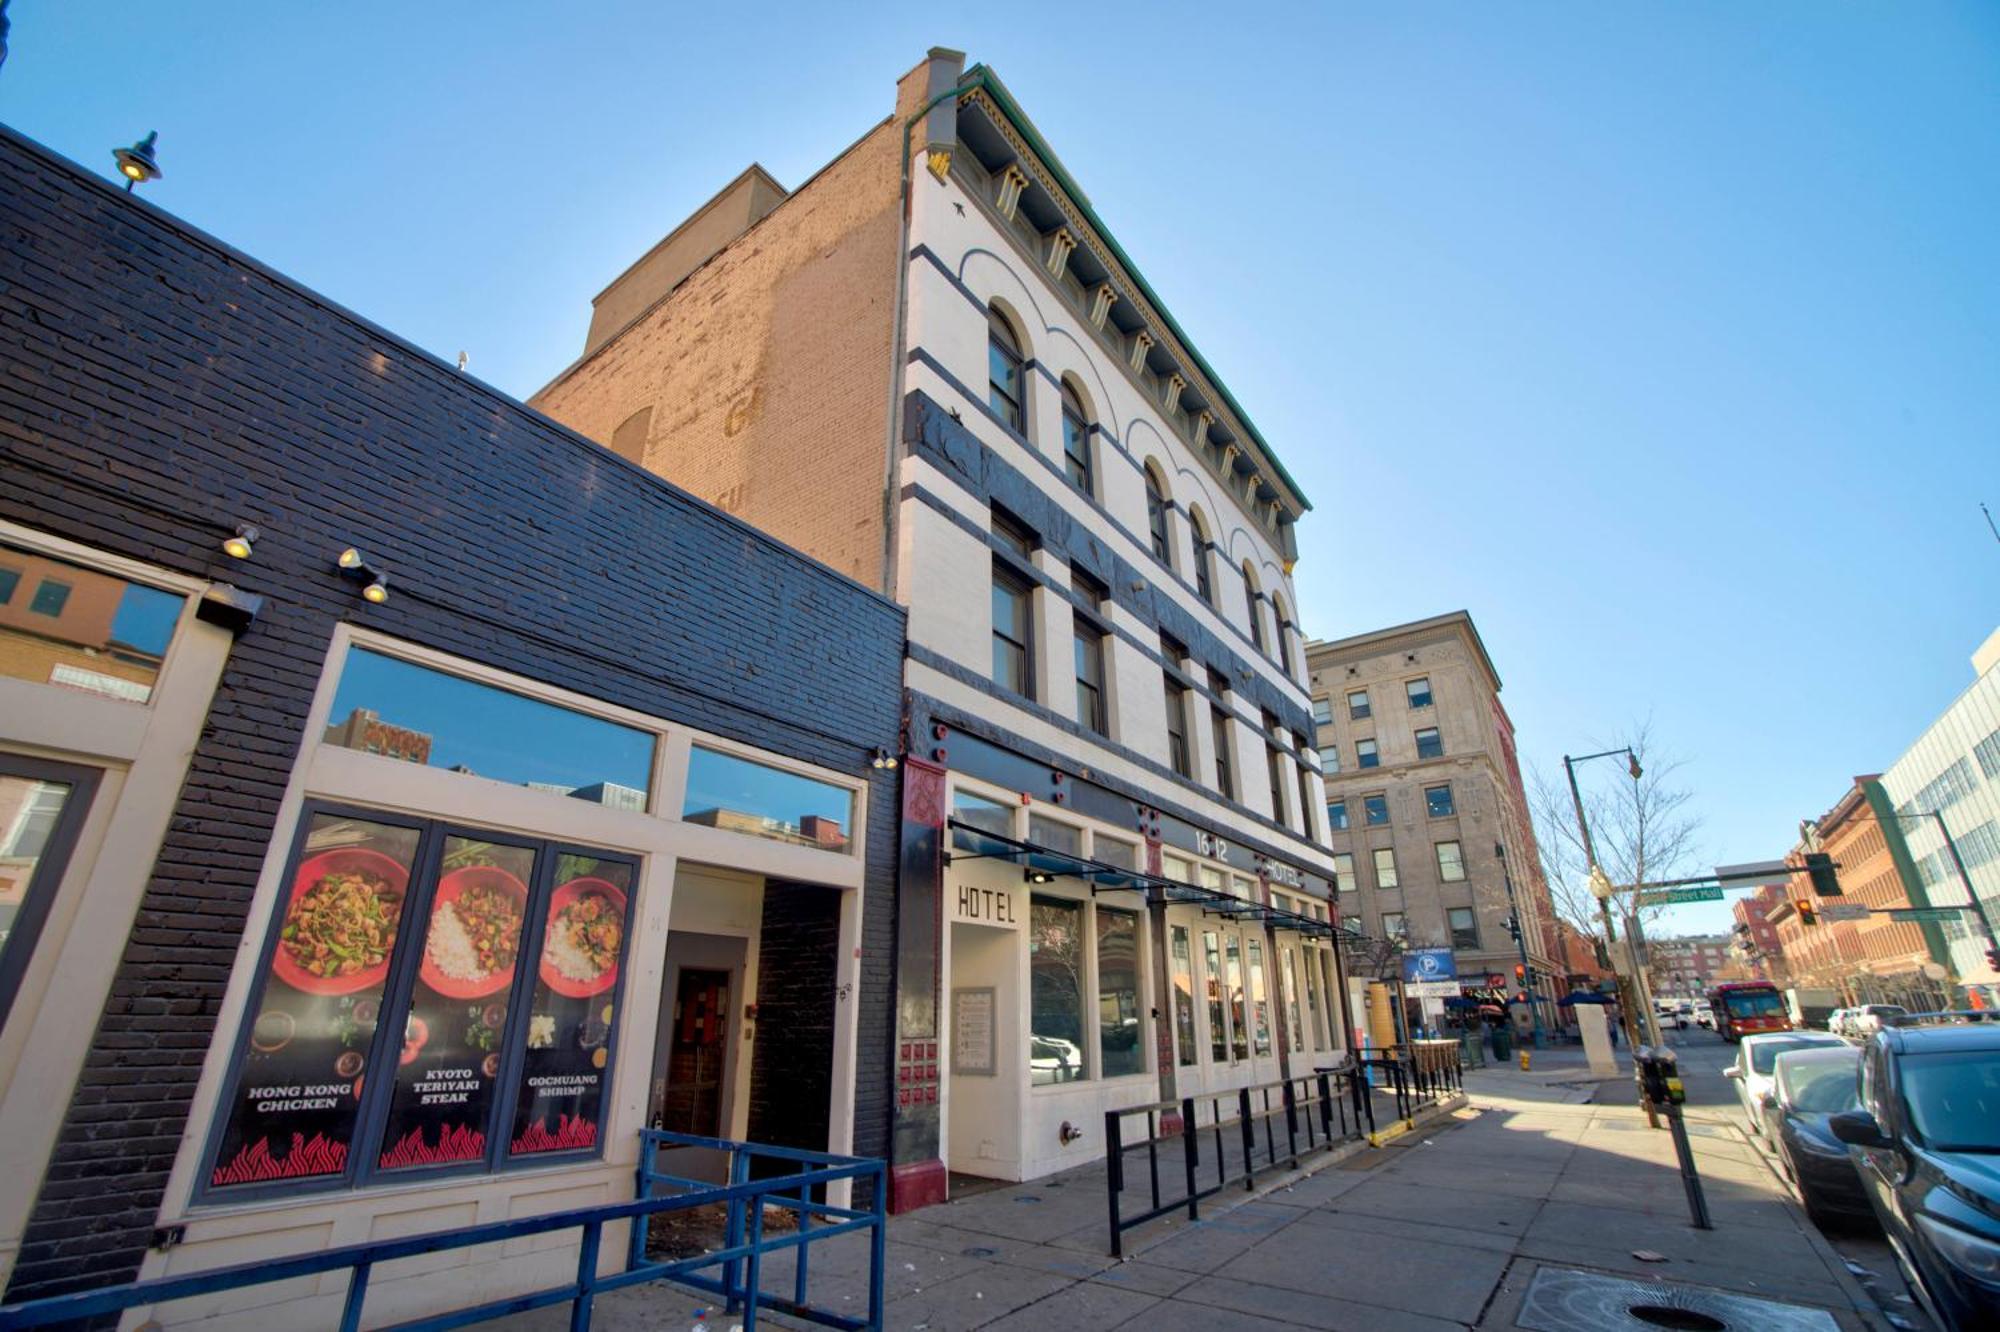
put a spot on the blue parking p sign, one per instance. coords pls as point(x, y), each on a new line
point(1429, 964)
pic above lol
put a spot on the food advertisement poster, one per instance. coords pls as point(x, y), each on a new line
point(573, 1012)
point(298, 1095)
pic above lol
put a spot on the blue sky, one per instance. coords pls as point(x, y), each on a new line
point(1663, 340)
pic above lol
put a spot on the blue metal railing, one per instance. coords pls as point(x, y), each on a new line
point(740, 1260)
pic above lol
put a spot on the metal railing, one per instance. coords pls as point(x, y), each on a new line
point(740, 1259)
point(1415, 1075)
point(1311, 1113)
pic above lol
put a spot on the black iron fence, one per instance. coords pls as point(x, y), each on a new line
point(1415, 1075)
point(1222, 1138)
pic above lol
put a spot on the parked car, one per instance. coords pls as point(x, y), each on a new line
point(1755, 1055)
point(1704, 1014)
point(1836, 1021)
point(1866, 1021)
point(1926, 1140)
point(1809, 1086)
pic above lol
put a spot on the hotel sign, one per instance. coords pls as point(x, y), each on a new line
point(984, 906)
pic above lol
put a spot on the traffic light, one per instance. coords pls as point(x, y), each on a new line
point(1520, 973)
point(1514, 928)
point(1825, 883)
point(1807, 916)
point(1993, 958)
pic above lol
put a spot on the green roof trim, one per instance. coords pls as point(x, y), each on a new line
point(982, 76)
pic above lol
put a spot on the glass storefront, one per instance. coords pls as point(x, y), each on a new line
point(63, 624)
point(1056, 987)
point(1119, 1031)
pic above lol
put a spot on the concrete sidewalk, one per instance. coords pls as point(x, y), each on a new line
point(1445, 1228)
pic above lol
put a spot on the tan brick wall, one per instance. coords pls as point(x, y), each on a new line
point(767, 369)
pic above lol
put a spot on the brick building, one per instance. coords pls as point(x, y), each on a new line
point(215, 769)
point(1754, 940)
point(933, 366)
point(1432, 837)
point(1682, 969)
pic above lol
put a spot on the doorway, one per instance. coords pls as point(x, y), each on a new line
point(697, 1054)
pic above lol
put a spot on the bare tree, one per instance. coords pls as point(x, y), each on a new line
point(1643, 830)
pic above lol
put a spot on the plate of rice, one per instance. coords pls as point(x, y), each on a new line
point(585, 938)
point(475, 932)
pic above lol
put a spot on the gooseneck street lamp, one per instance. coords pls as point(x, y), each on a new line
point(1635, 1027)
point(140, 162)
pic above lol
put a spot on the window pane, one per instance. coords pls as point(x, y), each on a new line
point(1111, 851)
point(1323, 712)
point(1118, 1031)
point(1343, 871)
point(1183, 969)
point(1055, 836)
point(31, 808)
point(1239, 1034)
point(1357, 705)
point(1218, 1026)
point(1437, 801)
point(724, 791)
point(1364, 753)
point(1464, 929)
point(446, 1077)
point(1451, 862)
point(1312, 997)
point(989, 815)
point(1329, 758)
point(1295, 1028)
point(1260, 1002)
point(1336, 815)
point(1055, 968)
point(1377, 809)
point(1076, 450)
point(1419, 692)
point(293, 1110)
point(1392, 924)
point(410, 712)
point(573, 1014)
point(1428, 743)
point(1385, 868)
point(83, 629)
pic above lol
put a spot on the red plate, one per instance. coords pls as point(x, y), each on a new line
point(344, 860)
point(562, 897)
point(448, 890)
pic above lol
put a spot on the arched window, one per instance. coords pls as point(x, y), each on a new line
point(1284, 640)
point(1253, 596)
point(1006, 386)
point(1156, 518)
point(1204, 581)
point(1076, 440)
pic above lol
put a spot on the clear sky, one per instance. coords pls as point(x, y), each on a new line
point(1665, 341)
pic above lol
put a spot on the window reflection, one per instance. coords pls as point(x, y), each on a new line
point(64, 624)
point(979, 812)
point(1055, 961)
point(405, 711)
point(724, 791)
point(1118, 993)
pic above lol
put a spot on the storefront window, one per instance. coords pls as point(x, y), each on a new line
point(41, 806)
point(1295, 1027)
point(63, 624)
point(1312, 998)
point(1183, 969)
point(573, 1013)
point(1239, 1031)
point(1214, 880)
point(1218, 1025)
point(1118, 1027)
point(986, 815)
point(405, 711)
point(1178, 868)
point(1260, 1003)
point(724, 791)
point(1111, 851)
point(419, 977)
point(1055, 836)
point(1055, 962)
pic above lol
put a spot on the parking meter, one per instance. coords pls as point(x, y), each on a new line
point(1659, 1075)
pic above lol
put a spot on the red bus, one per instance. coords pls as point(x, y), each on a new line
point(1744, 1007)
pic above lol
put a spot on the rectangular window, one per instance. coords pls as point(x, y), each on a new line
point(1055, 992)
point(1076, 448)
point(1987, 751)
point(1260, 1000)
point(1111, 851)
point(1225, 775)
point(1375, 810)
point(50, 598)
point(1063, 837)
point(1336, 815)
point(1451, 862)
point(1183, 973)
point(1013, 631)
point(1312, 995)
point(1385, 867)
point(1437, 802)
point(1357, 705)
point(1322, 712)
point(1005, 393)
point(1274, 760)
point(1177, 743)
point(1305, 799)
point(1329, 759)
point(1429, 745)
point(401, 710)
point(738, 795)
point(1093, 594)
point(92, 631)
point(1419, 691)
point(1343, 871)
point(374, 965)
point(1392, 925)
point(1239, 1034)
point(1364, 754)
point(1121, 1049)
point(1464, 929)
point(987, 815)
point(1090, 712)
point(41, 806)
point(1218, 1024)
point(1015, 535)
point(1295, 1027)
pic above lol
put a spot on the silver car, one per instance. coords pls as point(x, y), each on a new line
point(1756, 1055)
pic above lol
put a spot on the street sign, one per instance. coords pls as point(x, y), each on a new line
point(1673, 896)
point(1755, 874)
point(1430, 964)
point(1445, 989)
point(1925, 913)
point(1843, 911)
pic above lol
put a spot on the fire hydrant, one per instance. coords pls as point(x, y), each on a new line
point(1524, 1059)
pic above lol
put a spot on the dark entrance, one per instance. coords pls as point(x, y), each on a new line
point(697, 1054)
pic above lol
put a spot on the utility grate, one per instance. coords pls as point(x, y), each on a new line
point(1562, 1299)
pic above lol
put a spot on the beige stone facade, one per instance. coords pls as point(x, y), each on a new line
point(1443, 799)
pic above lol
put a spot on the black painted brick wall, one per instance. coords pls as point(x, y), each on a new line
point(155, 389)
point(791, 1069)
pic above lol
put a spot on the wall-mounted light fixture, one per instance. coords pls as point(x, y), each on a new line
point(882, 758)
point(354, 564)
point(238, 547)
point(1037, 876)
point(139, 162)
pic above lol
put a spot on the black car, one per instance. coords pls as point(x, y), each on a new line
point(1809, 1086)
point(1926, 1141)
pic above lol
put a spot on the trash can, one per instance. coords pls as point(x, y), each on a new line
point(1503, 1042)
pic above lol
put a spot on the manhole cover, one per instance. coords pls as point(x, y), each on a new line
point(1565, 1300)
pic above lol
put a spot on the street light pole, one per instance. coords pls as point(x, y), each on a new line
point(1520, 942)
point(1635, 1027)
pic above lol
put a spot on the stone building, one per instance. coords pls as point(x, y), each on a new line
point(1432, 837)
point(934, 367)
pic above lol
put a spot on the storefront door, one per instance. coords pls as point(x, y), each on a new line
point(697, 1054)
point(42, 805)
